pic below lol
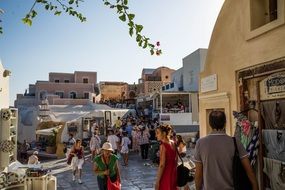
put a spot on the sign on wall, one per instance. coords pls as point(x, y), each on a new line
point(273, 87)
point(209, 83)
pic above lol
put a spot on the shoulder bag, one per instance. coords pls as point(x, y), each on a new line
point(240, 178)
point(183, 173)
point(113, 183)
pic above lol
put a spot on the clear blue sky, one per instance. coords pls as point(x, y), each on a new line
point(102, 44)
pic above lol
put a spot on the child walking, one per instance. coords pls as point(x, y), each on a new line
point(125, 147)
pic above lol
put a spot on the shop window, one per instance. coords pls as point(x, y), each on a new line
point(85, 80)
point(172, 85)
point(66, 81)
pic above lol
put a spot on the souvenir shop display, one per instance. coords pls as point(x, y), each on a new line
point(273, 137)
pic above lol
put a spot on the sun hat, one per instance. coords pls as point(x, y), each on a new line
point(107, 146)
point(35, 152)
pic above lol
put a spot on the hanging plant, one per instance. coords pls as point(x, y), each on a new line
point(7, 146)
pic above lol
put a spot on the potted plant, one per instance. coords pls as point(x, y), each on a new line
point(51, 143)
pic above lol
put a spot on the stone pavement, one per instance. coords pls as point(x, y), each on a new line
point(138, 175)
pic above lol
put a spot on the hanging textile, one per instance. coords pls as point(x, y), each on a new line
point(244, 129)
point(273, 114)
point(252, 148)
point(274, 169)
point(274, 141)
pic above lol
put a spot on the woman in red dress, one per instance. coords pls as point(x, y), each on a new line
point(166, 174)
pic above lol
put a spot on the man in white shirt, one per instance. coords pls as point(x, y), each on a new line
point(114, 140)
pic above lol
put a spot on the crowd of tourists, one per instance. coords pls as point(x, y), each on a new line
point(213, 166)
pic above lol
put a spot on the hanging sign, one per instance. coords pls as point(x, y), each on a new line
point(273, 87)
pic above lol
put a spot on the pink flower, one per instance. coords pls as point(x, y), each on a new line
point(157, 43)
point(245, 126)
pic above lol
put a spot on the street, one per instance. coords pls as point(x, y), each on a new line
point(138, 175)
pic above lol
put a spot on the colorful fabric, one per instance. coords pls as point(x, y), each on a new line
point(244, 129)
point(252, 148)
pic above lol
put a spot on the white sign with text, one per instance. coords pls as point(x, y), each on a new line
point(209, 83)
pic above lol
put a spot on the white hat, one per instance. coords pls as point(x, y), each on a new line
point(35, 152)
point(107, 146)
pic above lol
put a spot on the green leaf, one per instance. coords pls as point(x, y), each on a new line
point(27, 21)
point(131, 31)
point(139, 37)
point(122, 17)
point(139, 28)
point(131, 23)
point(57, 13)
point(33, 14)
point(107, 3)
point(140, 43)
point(71, 2)
point(125, 2)
point(119, 7)
point(131, 16)
point(47, 7)
point(151, 52)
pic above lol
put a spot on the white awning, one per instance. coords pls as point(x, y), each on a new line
point(47, 132)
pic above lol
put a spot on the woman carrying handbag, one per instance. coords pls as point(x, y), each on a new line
point(107, 170)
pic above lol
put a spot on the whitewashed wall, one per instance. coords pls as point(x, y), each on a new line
point(4, 88)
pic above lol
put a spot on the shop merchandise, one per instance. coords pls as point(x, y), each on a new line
point(248, 134)
point(273, 114)
point(275, 170)
point(274, 141)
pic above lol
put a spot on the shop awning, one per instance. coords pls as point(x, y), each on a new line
point(48, 131)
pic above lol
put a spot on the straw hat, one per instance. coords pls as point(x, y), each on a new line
point(107, 146)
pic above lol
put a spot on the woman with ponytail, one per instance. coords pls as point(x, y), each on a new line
point(166, 174)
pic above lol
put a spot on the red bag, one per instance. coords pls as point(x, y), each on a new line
point(113, 185)
point(69, 159)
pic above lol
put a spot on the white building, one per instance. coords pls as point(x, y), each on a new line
point(187, 77)
point(4, 87)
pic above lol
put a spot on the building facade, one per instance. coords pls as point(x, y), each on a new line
point(244, 76)
point(187, 77)
point(153, 79)
point(4, 87)
point(76, 88)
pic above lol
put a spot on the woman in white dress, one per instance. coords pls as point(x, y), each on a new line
point(125, 147)
point(95, 144)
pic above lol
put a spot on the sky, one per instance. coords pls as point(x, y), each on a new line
point(102, 44)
